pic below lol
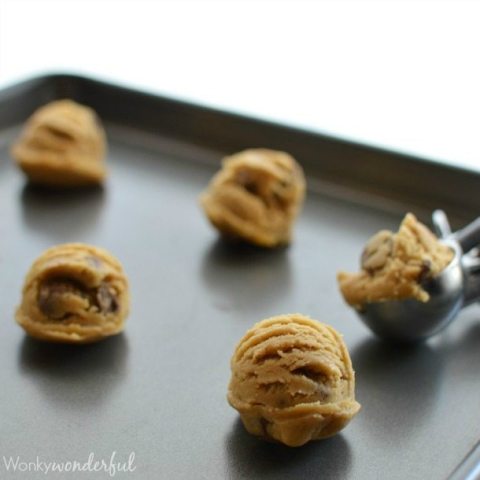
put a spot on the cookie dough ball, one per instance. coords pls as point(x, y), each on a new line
point(395, 265)
point(292, 380)
point(74, 293)
point(256, 197)
point(62, 144)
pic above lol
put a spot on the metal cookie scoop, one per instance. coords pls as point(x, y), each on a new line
point(456, 287)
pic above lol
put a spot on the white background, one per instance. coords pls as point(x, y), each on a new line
point(403, 74)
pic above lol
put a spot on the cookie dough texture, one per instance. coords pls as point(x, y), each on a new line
point(256, 197)
point(395, 265)
point(62, 144)
point(292, 380)
point(74, 293)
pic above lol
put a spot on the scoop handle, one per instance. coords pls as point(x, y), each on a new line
point(441, 224)
point(469, 237)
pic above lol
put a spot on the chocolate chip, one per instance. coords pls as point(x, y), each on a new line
point(245, 179)
point(251, 187)
point(106, 299)
point(50, 297)
point(377, 251)
point(425, 271)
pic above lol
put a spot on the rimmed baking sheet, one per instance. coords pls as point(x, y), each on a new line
point(159, 389)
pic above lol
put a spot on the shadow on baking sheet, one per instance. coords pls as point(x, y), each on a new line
point(245, 276)
point(460, 346)
point(249, 457)
point(470, 347)
point(401, 381)
point(75, 376)
point(61, 212)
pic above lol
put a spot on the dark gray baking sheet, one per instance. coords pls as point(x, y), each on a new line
point(159, 389)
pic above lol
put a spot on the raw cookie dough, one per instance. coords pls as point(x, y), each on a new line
point(256, 196)
point(292, 380)
point(74, 293)
point(62, 144)
point(394, 265)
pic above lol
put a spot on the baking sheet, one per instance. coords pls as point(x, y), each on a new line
point(159, 389)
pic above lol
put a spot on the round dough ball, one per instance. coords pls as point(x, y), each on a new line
point(292, 380)
point(256, 197)
point(62, 144)
point(74, 293)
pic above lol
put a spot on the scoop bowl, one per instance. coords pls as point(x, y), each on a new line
point(410, 320)
point(457, 286)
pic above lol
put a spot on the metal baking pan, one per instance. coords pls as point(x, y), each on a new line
point(159, 389)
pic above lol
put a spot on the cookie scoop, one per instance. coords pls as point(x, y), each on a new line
point(256, 197)
point(412, 284)
point(292, 380)
point(62, 144)
point(74, 293)
point(394, 266)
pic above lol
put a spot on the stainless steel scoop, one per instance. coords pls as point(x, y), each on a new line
point(456, 287)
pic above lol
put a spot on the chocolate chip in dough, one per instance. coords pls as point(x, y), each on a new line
point(377, 251)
